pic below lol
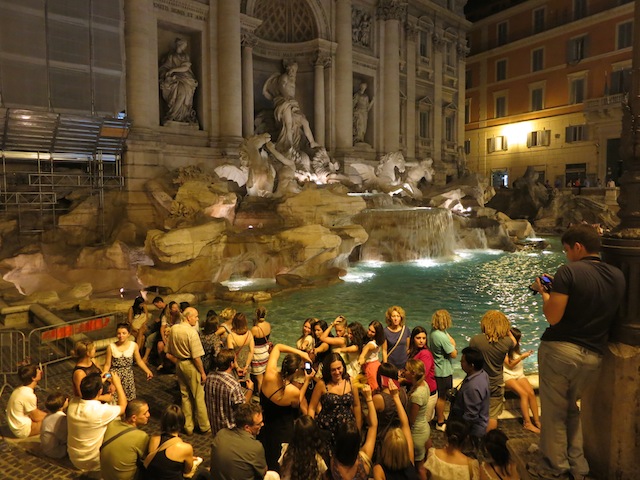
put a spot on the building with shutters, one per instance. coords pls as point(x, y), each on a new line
point(545, 85)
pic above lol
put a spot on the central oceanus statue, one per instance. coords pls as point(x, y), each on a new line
point(281, 89)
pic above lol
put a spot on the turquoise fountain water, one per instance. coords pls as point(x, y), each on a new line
point(467, 284)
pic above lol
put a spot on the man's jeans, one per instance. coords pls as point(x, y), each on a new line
point(564, 371)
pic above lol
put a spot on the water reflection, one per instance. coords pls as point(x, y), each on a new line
point(468, 284)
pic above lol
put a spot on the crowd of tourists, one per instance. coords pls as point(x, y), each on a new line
point(347, 401)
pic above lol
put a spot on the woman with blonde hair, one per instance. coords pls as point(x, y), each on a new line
point(494, 343)
point(224, 330)
point(397, 335)
point(260, 331)
point(443, 349)
point(85, 352)
point(396, 453)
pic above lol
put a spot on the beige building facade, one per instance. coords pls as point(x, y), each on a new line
point(545, 88)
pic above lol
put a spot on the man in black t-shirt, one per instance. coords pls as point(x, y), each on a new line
point(580, 308)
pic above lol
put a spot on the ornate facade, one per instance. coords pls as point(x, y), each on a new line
point(411, 55)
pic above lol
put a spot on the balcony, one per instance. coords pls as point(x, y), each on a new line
point(604, 107)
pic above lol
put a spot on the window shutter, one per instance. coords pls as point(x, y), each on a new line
point(585, 47)
point(546, 137)
point(491, 145)
point(529, 139)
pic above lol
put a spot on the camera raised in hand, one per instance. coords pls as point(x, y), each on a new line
point(547, 283)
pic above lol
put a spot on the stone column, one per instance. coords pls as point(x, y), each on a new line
point(611, 417)
point(462, 51)
point(248, 42)
point(343, 78)
point(141, 40)
point(438, 59)
point(321, 61)
point(392, 13)
point(229, 71)
point(412, 36)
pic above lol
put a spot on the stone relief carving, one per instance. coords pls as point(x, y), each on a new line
point(281, 89)
point(361, 106)
point(437, 41)
point(178, 84)
point(462, 49)
point(392, 9)
point(248, 39)
point(361, 28)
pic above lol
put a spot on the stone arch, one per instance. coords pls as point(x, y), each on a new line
point(310, 16)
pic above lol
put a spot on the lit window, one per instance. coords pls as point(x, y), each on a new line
point(576, 133)
point(496, 144)
point(576, 91)
point(539, 138)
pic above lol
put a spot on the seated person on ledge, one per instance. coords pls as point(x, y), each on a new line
point(23, 415)
point(53, 434)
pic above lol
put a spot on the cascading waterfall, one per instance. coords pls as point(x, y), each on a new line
point(400, 235)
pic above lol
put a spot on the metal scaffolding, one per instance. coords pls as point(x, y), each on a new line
point(46, 156)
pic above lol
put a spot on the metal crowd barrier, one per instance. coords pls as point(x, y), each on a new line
point(12, 353)
point(54, 343)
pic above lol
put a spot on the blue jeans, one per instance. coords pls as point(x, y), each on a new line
point(564, 371)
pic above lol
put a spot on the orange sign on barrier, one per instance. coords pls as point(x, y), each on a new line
point(65, 331)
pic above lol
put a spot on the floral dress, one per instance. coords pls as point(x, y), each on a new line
point(211, 344)
point(122, 364)
point(336, 412)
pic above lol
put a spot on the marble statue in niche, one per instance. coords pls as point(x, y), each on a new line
point(281, 89)
point(178, 84)
point(361, 106)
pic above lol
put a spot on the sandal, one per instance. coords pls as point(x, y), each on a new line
point(531, 427)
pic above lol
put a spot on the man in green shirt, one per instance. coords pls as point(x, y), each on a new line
point(124, 446)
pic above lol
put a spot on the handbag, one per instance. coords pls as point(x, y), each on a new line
point(452, 394)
